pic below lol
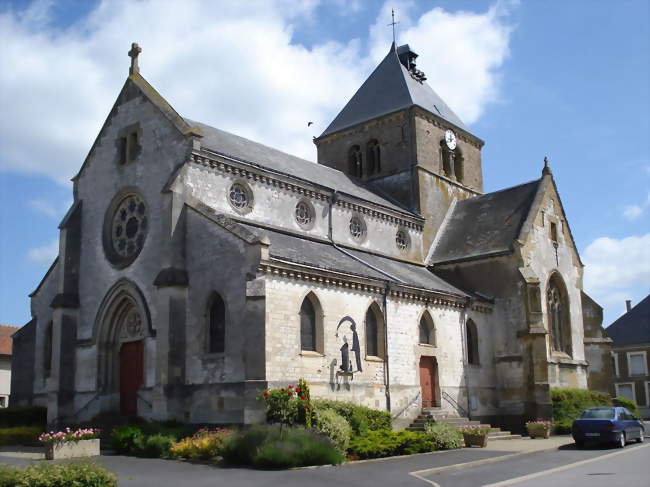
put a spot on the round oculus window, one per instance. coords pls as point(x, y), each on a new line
point(304, 214)
point(240, 197)
point(128, 229)
point(402, 240)
point(357, 228)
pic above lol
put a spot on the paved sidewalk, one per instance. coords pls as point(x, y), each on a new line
point(526, 444)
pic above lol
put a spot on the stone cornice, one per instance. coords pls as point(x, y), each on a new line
point(262, 176)
point(481, 308)
point(289, 270)
point(444, 125)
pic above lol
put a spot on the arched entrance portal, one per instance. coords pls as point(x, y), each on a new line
point(124, 327)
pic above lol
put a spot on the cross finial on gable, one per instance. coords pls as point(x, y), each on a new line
point(133, 54)
point(547, 169)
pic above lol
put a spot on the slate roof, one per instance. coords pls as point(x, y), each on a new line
point(257, 154)
point(485, 225)
point(323, 255)
point(388, 89)
point(633, 327)
point(5, 338)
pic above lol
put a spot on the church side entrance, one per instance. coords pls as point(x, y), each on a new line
point(131, 376)
point(428, 381)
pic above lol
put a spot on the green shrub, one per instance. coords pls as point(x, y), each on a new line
point(124, 438)
point(153, 446)
point(276, 447)
point(23, 416)
point(167, 428)
point(84, 474)
point(628, 404)
point(360, 418)
point(445, 436)
point(204, 444)
point(332, 425)
point(147, 439)
point(378, 444)
point(569, 403)
point(19, 435)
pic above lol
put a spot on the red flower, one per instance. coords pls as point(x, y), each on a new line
point(282, 389)
point(297, 389)
point(266, 394)
point(290, 387)
point(289, 393)
point(302, 397)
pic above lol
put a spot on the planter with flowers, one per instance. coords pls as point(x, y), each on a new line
point(475, 435)
point(539, 429)
point(71, 443)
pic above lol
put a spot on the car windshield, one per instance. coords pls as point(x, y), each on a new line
point(597, 414)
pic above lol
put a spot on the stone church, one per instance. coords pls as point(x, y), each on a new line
point(197, 268)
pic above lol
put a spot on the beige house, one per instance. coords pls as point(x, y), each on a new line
point(5, 363)
point(197, 267)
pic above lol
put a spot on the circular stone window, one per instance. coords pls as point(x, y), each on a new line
point(240, 197)
point(357, 228)
point(126, 229)
point(402, 240)
point(304, 214)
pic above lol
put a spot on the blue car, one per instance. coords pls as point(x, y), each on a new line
point(607, 424)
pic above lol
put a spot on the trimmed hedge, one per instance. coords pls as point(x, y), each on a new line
point(84, 474)
point(360, 418)
point(378, 444)
point(446, 436)
point(329, 423)
point(569, 403)
point(23, 416)
point(19, 435)
point(151, 440)
point(276, 447)
point(628, 404)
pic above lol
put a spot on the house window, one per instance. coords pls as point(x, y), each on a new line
point(374, 331)
point(615, 364)
point(427, 330)
point(217, 325)
point(3, 401)
point(373, 157)
point(637, 364)
point(311, 329)
point(355, 162)
point(626, 390)
point(472, 343)
point(647, 394)
point(557, 310)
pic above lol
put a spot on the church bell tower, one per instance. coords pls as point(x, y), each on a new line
point(401, 139)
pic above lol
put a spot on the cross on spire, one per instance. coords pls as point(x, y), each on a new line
point(546, 170)
point(393, 23)
point(133, 54)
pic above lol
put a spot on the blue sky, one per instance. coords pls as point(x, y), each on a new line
point(564, 79)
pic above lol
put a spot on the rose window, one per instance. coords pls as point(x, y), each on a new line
point(402, 240)
point(356, 228)
point(129, 227)
point(303, 213)
point(239, 197)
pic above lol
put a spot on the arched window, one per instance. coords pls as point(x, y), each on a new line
point(374, 331)
point(355, 162)
point(373, 157)
point(459, 165)
point(446, 156)
point(472, 343)
point(47, 350)
point(311, 324)
point(427, 330)
point(217, 325)
point(557, 310)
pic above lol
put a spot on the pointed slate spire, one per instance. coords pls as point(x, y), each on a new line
point(392, 87)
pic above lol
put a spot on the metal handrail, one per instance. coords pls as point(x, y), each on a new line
point(145, 401)
point(411, 402)
point(453, 402)
point(86, 405)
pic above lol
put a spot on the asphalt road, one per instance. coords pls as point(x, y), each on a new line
point(517, 471)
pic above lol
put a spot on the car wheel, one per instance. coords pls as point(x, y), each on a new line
point(621, 440)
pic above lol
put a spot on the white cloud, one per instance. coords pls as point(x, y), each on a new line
point(44, 254)
point(230, 64)
point(616, 270)
point(49, 209)
point(632, 212)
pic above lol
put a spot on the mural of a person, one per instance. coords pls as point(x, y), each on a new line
point(346, 332)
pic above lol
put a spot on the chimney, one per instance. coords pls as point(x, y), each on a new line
point(628, 304)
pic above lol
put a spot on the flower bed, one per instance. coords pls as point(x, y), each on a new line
point(203, 445)
point(475, 435)
point(539, 429)
point(71, 443)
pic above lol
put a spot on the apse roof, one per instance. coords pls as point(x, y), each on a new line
point(633, 327)
point(390, 88)
point(485, 225)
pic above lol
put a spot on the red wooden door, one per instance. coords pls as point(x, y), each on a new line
point(428, 377)
point(131, 375)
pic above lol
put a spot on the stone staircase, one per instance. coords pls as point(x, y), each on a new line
point(438, 415)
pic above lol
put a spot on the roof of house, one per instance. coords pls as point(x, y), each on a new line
point(324, 255)
point(388, 89)
point(5, 338)
point(633, 327)
point(485, 225)
point(248, 151)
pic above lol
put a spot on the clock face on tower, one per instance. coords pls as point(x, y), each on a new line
point(450, 139)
